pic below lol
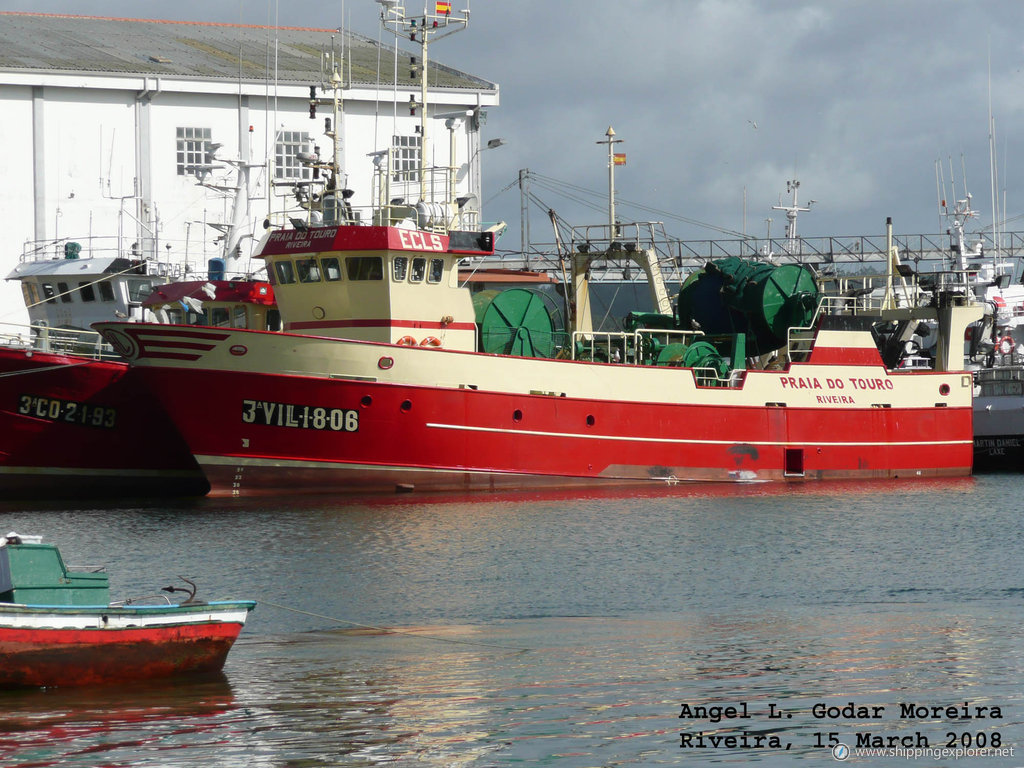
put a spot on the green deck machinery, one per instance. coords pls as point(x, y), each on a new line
point(517, 321)
point(742, 296)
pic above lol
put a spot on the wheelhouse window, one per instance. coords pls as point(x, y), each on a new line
point(238, 317)
point(436, 271)
point(65, 292)
point(406, 163)
point(419, 269)
point(194, 150)
point(331, 267)
point(285, 272)
point(308, 270)
point(219, 317)
point(365, 267)
point(399, 268)
point(106, 290)
point(139, 290)
point(49, 293)
point(86, 289)
point(31, 295)
point(286, 156)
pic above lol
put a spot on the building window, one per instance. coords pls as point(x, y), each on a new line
point(193, 150)
point(406, 164)
point(286, 161)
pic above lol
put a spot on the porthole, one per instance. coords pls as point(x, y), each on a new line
point(517, 415)
point(590, 420)
point(366, 401)
point(406, 406)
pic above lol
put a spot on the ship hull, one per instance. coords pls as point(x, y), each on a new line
point(999, 438)
point(999, 453)
point(296, 414)
point(73, 426)
point(999, 419)
point(78, 646)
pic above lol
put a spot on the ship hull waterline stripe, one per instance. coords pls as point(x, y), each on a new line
point(693, 441)
point(167, 474)
point(268, 463)
point(228, 487)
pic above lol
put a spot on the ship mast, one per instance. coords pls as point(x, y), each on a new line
point(791, 213)
point(611, 141)
point(434, 24)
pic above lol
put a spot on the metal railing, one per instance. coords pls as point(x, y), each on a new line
point(62, 341)
point(824, 253)
point(629, 347)
point(624, 346)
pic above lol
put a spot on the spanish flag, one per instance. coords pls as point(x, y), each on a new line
point(620, 159)
point(443, 7)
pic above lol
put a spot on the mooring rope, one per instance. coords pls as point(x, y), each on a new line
point(392, 631)
point(43, 369)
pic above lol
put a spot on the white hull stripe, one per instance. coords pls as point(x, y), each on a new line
point(114, 621)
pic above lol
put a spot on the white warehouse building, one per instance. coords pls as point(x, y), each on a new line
point(127, 134)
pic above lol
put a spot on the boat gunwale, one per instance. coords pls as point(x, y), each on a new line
point(220, 606)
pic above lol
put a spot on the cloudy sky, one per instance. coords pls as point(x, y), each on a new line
point(720, 101)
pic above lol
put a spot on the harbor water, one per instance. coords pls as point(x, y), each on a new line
point(860, 622)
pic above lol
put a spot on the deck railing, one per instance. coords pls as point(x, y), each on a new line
point(62, 341)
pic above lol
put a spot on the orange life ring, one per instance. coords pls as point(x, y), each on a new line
point(1006, 345)
point(406, 341)
point(431, 341)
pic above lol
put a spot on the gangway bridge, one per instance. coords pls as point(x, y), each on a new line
point(613, 255)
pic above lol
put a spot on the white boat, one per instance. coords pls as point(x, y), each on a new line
point(59, 628)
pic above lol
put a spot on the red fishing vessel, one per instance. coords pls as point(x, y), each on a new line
point(402, 398)
point(57, 627)
point(74, 419)
point(390, 375)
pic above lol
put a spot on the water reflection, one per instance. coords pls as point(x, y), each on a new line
point(629, 605)
point(114, 725)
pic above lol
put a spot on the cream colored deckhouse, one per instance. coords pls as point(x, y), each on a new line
point(128, 136)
